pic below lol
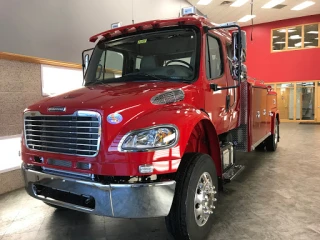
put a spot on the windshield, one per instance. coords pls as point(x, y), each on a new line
point(166, 55)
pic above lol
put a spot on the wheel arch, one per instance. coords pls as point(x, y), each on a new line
point(204, 139)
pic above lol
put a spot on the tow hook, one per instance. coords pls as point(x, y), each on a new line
point(88, 200)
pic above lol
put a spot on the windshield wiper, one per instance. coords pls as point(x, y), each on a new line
point(143, 74)
point(158, 77)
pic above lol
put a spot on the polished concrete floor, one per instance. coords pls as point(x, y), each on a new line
point(277, 196)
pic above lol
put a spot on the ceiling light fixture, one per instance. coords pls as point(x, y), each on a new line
point(246, 18)
point(204, 2)
point(275, 36)
point(238, 3)
point(272, 3)
point(279, 42)
point(295, 37)
point(303, 5)
point(313, 32)
point(284, 30)
point(299, 44)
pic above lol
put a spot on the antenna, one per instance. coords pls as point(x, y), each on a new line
point(132, 12)
point(251, 21)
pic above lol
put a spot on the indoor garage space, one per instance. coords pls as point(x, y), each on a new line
point(173, 119)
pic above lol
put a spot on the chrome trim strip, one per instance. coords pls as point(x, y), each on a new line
point(83, 144)
point(58, 131)
point(79, 113)
point(74, 149)
point(149, 149)
point(34, 135)
point(59, 171)
point(32, 125)
point(30, 120)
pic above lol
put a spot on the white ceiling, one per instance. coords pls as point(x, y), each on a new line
point(219, 13)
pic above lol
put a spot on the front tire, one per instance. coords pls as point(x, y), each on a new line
point(192, 211)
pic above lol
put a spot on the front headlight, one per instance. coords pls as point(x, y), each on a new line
point(159, 137)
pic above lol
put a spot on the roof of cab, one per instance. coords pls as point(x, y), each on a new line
point(185, 20)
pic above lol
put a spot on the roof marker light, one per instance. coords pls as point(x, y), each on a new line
point(115, 25)
point(188, 10)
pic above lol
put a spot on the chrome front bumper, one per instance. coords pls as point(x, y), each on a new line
point(140, 200)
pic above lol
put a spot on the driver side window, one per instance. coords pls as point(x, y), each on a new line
point(214, 63)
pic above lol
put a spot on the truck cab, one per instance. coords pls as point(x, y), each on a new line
point(154, 130)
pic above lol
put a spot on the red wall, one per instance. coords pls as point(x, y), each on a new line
point(296, 65)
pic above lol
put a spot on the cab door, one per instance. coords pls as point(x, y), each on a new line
point(216, 101)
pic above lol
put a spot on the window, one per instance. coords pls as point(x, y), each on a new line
point(111, 62)
point(138, 62)
point(57, 80)
point(305, 97)
point(279, 39)
point(10, 147)
point(230, 55)
point(165, 55)
point(295, 37)
point(214, 63)
point(311, 36)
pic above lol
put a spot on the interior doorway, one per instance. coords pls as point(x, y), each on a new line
point(298, 101)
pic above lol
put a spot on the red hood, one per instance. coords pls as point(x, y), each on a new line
point(109, 97)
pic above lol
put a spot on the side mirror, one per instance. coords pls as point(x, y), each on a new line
point(86, 61)
point(236, 45)
point(86, 55)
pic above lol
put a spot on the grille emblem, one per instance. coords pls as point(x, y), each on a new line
point(57, 109)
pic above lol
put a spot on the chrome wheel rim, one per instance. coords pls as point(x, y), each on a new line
point(204, 199)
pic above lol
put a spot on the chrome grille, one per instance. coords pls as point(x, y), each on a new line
point(77, 134)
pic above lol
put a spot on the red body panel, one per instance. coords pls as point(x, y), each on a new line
point(132, 100)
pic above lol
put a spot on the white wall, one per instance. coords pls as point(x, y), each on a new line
point(60, 29)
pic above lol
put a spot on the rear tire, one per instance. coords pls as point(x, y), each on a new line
point(272, 140)
point(192, 211)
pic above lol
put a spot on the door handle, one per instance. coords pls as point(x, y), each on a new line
point(270, 113)
point(258, 114)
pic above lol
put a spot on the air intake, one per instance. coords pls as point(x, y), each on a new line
point(166, 97)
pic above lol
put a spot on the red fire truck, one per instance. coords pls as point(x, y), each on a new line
point(153, 132)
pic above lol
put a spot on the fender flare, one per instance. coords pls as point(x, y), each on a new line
point(211, 136)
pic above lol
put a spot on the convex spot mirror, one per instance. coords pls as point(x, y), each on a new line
point(236, 45)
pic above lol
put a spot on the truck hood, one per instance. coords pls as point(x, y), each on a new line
point(110, 97)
